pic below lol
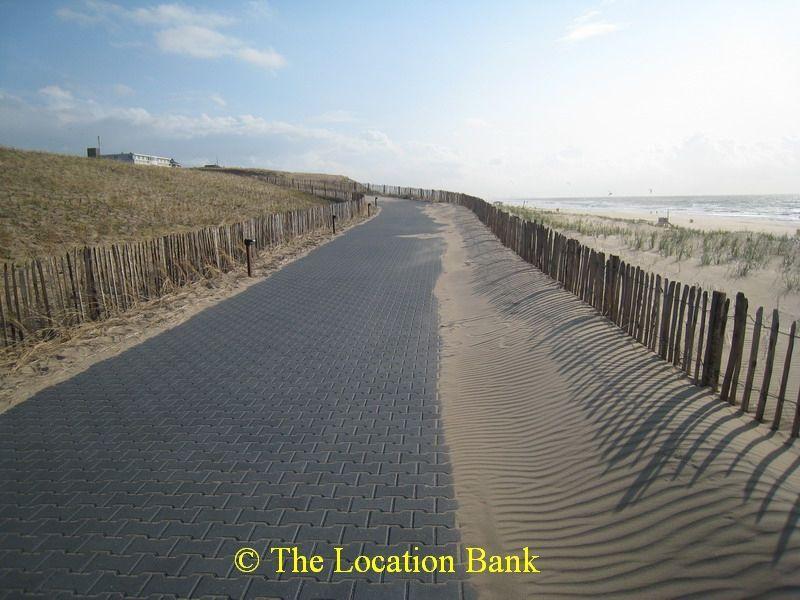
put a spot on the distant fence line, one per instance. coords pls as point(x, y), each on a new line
point(685, 326)
point(340, 191)
point(43, 295)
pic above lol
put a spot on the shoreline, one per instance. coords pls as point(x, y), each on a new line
point(691, 220)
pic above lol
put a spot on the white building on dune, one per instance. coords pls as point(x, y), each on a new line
point(135, 158)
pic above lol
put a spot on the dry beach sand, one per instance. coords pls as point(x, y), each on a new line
point(568, 437)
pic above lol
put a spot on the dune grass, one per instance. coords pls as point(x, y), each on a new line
point(289, 176)
point(742, 251)
point(50, 202)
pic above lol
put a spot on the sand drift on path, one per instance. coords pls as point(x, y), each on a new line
point(568, 437)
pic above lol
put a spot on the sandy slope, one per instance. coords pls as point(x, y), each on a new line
point(569, 438)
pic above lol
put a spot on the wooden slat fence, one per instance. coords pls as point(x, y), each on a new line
point(43, 295)
point(685, 326)
point(339, 191)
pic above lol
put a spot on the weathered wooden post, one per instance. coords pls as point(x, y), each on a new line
point(91, 288)
point(674, 329)
point(655, 311)
point(773, 339)
point(731, 379)
point(751, 368)
point(796, 424)
point(247, 243)
point(677, 351)
point(716, 337)
point(663, 339)
point(691, 319)
point(776, 422)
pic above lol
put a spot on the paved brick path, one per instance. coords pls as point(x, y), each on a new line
point(300, 412)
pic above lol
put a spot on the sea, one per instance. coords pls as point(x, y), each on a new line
point(783, 207)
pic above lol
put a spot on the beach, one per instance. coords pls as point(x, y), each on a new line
point(569, 437)
point(777, 214)
point(751, 256)
point(764, 283)
point(708, 222)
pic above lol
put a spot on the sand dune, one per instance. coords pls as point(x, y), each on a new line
point(568, 437)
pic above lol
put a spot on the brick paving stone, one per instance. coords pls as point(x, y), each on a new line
point(301, 411)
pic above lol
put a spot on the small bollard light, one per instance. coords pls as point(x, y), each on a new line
point(376, 201)
point(247, 243)
point(333, 220)
point(369, 208)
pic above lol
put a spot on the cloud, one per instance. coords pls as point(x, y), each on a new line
point(476, 123)
point(91, 12)
point(259, 9)
point(589, 25)
point(84, 18)
point(177, 14)
point(57, 98)
point(436, 154)
point(120, 89)
point(194, 41)
point(179, 30)
point(59, 107)
point(44, 121)
point(587, 16)
point(218, 100)
point(267, 59)
point(6, 97)
point(336, 116)
point(378, 138)
point(56, 93)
